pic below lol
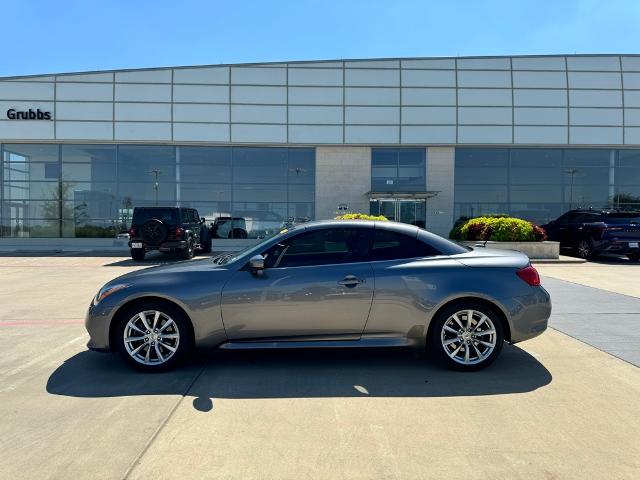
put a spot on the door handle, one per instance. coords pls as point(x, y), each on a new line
point(350, 281)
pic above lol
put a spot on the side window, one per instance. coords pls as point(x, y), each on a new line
point(568, 218)
point(320, 247)
point(388, 245)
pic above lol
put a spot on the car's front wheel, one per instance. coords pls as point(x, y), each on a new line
point(466, 336)
point(153, 337)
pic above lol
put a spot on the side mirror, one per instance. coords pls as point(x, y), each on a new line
point(203, 220)
point(256, 264)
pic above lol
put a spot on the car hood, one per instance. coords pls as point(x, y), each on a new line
point(492, 257)
point(191, 266)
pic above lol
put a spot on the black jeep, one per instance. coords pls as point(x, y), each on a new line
point(168, 229)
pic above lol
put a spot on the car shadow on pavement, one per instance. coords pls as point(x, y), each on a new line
point(298, 374)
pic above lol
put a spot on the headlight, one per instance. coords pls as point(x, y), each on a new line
point(104, 292)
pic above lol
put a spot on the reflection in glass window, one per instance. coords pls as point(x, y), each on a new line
point(398, 169)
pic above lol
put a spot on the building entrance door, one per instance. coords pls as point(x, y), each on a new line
point(411, 211)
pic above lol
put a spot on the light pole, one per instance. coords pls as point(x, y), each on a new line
point(572, 172)
point(156, 185)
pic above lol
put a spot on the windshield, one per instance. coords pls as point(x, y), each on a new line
point(247, 251)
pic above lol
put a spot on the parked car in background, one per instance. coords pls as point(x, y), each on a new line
point(168, 229)
point(325, 284)
point(591, 232)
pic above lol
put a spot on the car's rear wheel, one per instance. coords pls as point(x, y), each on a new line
point(154, 337)
point(466, 336)
point(187, 252)
point(206, 246)
point(137, 254)
point(585, 249)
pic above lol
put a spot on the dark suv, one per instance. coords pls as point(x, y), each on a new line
point(591, 232)
point(168, 229)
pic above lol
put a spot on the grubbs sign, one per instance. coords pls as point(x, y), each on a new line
point(37, 114)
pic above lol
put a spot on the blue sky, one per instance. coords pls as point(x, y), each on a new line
point(72, 35)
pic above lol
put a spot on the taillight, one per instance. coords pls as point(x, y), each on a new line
point(179, 232)
point(529, 275)
point(132, 232)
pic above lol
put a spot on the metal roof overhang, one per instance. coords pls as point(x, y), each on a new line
point(401, 195)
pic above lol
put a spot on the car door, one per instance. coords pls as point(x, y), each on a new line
point(315, 285)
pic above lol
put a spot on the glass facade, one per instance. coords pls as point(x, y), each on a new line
point(539, 184)
point(398, 169)
point(91, 190)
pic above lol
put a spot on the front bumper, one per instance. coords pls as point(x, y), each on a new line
point(97, 322)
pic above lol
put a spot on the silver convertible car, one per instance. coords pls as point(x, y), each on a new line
point(326, 284)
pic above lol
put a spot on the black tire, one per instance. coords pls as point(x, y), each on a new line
point(207, 245)
point(438, 335)
point(187, 252)
point(138, 254)
point(634, 257)
point(237, 233)
point(182, 326)
point(585, 249)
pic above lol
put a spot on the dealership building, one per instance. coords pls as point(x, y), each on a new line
point(420, 140)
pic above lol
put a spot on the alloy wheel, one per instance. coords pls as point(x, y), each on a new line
point(584, 249)
point(151, 337)
point(468, 337)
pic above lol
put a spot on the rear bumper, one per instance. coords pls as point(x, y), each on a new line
point(528, 315)
point(619, 246)
point(164, 246)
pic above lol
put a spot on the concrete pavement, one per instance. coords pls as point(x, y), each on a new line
point(553, 407)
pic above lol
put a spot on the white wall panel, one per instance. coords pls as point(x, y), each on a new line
point(258, 133)
point(539, 79)
point(259, 113)
point(315, 96)
point(441, 134)
point(428, 78)
point(596, 116)
point(372, 96)
point(373, 135)
point(632, 117)
point(258, 76)
point(259, 94)
point(372, 64)
point(85, 91)
point(484, 134)
point(484, 116)
point(143, 92)
point(26, 130)
point(538, 63)
point(632, 98)
point(542, 135)
point(319, 64)
point(632, 136)
point(594, 80)
point(212, 75)
point(26, 91)
point(501, 63)
point(372, 115)
point(145, 76)
point(200, 132)
point(540, 98)
point(315, 134)
point(428, 115)
point(315, 76)
point(201, 93)
point(430, 63)
point(315, 114)
point(151, 112)
point(489, 79)
point(594, 64)
point(86, 77)
point(631, 80)
point(193, 112)
point(142, 131)
point(84, 131)
point(631, 63)
point(84, 111)
point(372, 78)
point(595, 135)
point(540, 116)
point(428, 96)
point(484, 97)
point(595, 98)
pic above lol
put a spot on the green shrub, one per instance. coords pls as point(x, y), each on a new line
point(361, 216)
point(497, 228)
